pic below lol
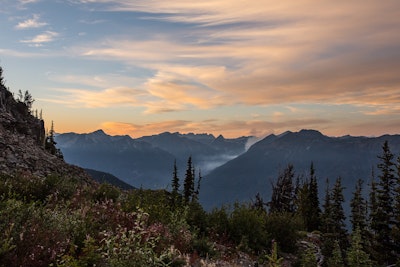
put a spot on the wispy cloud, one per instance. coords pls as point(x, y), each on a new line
point(31, 23)
point(220, 54)
point(24, 2)
point(117, 96)
point(264, 53)
point(20, 54)
point(38, 40)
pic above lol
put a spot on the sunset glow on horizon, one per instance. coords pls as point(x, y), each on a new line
point(235, 68)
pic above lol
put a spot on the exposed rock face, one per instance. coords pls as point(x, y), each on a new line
point(22, 142)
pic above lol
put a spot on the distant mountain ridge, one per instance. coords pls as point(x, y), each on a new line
point(230, 172)
point(252, 172)
point(103, 177)
point(148, 161)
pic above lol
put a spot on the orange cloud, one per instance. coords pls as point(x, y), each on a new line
point(118, 96)
point(303, 52)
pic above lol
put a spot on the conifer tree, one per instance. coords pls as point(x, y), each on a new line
point(396, 227)
point(327, 220)
point(314, 212)
point(336, 260)
point(328, 224)
point(302, 204)
point(283, 192)
point(197, 191)
point(383, 217)
point(338, 215)
point(175, 179)
point(50, 143)
point(188, 185)
point(358, 217)
point(356, 256)
point(175, 185)
point(259, 203)
point(372, 218)
point(372, 204)
point(333, 227)
point(273, 259)
point(26, 98)
point(308, 258)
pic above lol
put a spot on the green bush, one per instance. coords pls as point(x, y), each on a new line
point(247, 228)
point(154, 202)
point(218, 224)
point(284, 228)
point(106, 192)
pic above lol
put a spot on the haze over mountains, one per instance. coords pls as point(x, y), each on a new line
point(148, 161)
point(230, 171)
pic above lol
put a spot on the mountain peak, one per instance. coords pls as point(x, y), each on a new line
point(310, 133)
point(98, 132)
point(220, 137)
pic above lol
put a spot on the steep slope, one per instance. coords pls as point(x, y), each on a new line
point(22, 143)
point(251, 173)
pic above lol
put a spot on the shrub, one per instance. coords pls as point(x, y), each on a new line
point(247, 228)
point(284, 229)
point(106, 192)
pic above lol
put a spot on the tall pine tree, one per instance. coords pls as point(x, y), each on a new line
point(396, 227)
point(175, 194)
point(358, 217)
point(307, 201)
point(383, 217)
point(338, 215)
point(188, 186)
point(314, 215)
point(282, 199)
point(328, 224)
point(334, 227)
point(356, 255)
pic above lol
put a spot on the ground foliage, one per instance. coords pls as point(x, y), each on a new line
point(65, 221)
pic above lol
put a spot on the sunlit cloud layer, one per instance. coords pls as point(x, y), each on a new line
point(186, 59)
point(304, 56)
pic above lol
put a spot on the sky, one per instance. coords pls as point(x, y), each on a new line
point(235, 68)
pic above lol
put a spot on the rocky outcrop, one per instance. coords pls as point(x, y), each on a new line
point(22, 137)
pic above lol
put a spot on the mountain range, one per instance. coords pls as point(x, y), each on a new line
point(231, 172)
point(348, 157)
point(148, 161)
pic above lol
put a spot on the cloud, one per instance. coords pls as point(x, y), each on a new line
point(38, 40)
point(99, 81)
point(25, 2)
point(263, 53)
point(31, 23)
point(117, 96)
point(179, 92)
point(20, 54)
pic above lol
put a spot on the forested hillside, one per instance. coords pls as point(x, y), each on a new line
point(348, 157)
